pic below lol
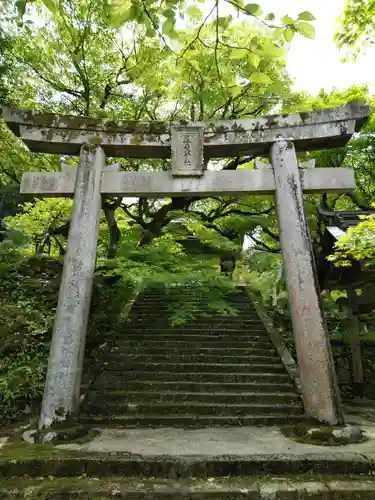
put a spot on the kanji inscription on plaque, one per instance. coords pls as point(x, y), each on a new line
point(187, 150)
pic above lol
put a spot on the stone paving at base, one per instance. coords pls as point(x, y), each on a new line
point(233, 463)
point(215, 442)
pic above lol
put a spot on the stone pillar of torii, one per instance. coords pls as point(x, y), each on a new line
point(190, 145)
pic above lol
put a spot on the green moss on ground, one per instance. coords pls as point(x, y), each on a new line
point(18, 449)
point(104, 488)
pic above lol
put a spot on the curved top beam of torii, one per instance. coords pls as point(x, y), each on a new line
point(50, 133)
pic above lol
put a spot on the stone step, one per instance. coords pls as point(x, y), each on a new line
point(127, 346)
point(194, 421)
point(183, 386)
point(179, 396)
point(129, 343)
point(190, 295)
point(84, 465)
point(197, 326)
point(196, 312)
point(190, 408)
point(199, 367)
point(157, 348)
point(191, 336)
point(189, 358)
point(223, 488)
point(240, 299)
point(228, 333)
point(165, 322)
point(171, 376)
point(190, 299)
point(157, 313)
point(237, 310)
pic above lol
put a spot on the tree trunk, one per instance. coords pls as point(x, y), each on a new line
point(355, 343)
point(228, 264)
point(114, 233)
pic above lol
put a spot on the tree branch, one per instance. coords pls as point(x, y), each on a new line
point(190, 44)
point(263, 245)
point(236, 162)
point(56, 86)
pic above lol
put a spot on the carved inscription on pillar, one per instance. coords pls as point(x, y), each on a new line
point(187, 150)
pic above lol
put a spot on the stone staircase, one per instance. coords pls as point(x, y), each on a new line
point(210, 371)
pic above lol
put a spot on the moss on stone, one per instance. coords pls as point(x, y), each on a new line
point(78, 435)
point(313, 432)
point(20, 450)
point(246, 487)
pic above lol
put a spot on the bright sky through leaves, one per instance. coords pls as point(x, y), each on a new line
point(316, 64)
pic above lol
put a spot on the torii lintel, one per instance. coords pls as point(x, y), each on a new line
point(50, 133)
point(159, 184)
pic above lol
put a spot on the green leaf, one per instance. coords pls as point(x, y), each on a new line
point(21, 7)
point(289, 34)
point(168, 27)
point(51, 6)
point(271, 50)
point(270, 16)
point(253, 59)
point(286, 20)
point(260, 78)
point(194, 64)
point(253, 9)
point(238, 53)
point(236, 91)
point(150, 31)
point(224, 21)
point(305, 29)
point(129, 15)
point(306, 16)
point(169, 13)
point(194, 12)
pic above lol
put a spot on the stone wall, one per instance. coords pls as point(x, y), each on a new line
point(342, 357)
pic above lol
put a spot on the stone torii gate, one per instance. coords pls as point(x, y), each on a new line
point(190, 145)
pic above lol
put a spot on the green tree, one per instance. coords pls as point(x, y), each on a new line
point(358, 244)
point(143, 79)
point(356, 26)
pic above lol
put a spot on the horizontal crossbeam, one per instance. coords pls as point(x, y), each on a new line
point(160, 184)
point(50, 133)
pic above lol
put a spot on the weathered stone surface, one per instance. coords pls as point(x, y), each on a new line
point(62, 387)
point(28, 436)
point(348, 434)
point(68, 169)
point(31, 436)
point(314, 432)
point(305, 164)
point(3, 441)
point(139, 488)
point(351, 490)
point(318, 380)
point(276, 490)
point(125, 464)
point(65, 135)
point(156, 184)
point(187, 150)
